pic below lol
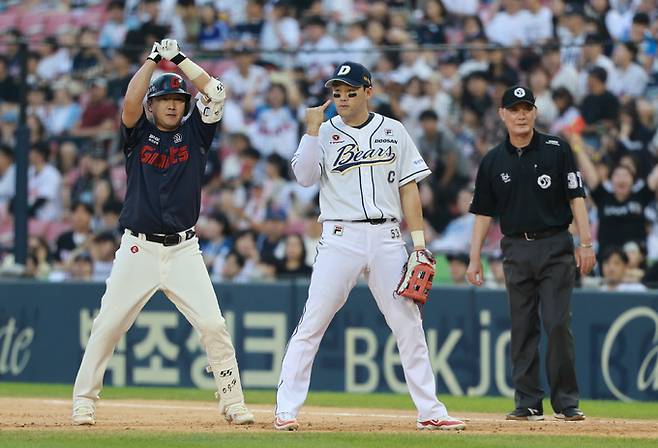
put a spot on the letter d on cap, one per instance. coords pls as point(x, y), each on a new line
point(344, 70)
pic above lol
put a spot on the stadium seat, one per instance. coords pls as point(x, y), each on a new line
point(32, 24)
point(57, 22)
point(8, 20)
point(90, 17)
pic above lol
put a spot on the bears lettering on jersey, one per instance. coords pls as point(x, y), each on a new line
point(350, 156)
point(150, 156)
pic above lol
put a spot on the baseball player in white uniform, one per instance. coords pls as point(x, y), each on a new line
point(367, 166)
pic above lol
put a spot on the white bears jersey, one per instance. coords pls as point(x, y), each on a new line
point(360, 169)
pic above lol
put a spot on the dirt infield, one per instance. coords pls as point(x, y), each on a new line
point(185, 416)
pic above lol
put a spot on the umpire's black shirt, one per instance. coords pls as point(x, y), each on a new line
point(165, 174)
point(530, 192)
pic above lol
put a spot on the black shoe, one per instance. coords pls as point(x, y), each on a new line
point(570, 415)
point(529, 414)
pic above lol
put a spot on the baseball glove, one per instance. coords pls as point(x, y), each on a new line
point(417, 277)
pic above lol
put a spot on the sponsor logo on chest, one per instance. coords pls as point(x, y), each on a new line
point(351, 156)
point(154, 140)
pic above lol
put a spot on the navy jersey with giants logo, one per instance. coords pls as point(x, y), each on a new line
point(165, 174)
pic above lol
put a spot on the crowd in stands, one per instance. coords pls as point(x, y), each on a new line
point(439, 66)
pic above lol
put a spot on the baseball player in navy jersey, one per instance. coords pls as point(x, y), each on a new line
point(165, 160)
point(367, 166)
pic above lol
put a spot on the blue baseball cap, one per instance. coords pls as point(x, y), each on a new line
point(351, 73)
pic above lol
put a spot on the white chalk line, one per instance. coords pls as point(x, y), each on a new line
point(302, 413)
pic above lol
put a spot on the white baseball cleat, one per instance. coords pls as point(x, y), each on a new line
point(238, 414)
point(285, 422)
point(443, 423)
point(84, 414)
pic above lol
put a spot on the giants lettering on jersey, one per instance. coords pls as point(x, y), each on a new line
point(350, 156)
point(150, 156)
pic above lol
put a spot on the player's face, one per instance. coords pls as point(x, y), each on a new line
point(519, 119)
point(168, 111)
point(350, 101)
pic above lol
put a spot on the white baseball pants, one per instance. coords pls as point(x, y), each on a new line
point(345, 250)
point(141, 268)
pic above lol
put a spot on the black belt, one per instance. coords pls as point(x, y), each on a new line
point(374, 222)
point(530, 236)
point(166, 240)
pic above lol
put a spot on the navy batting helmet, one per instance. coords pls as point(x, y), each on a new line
point(167, 84)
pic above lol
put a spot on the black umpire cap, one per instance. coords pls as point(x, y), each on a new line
point(517, 94)
point(351, 73)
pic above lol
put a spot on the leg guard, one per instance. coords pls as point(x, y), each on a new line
point(227, 379)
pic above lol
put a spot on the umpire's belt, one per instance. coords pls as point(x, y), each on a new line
point(166, 240)
point(375, 222)
point(530, 236)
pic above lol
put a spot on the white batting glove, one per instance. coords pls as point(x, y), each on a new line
point(170, 50)
point(155, 55)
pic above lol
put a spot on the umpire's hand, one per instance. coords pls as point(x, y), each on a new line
point(585, 259)
point(475, 273)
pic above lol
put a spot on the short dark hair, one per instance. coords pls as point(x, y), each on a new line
point(6, 150)
point(428, 114)
point(642, 18)
point(614, 250)
point(599, 73)
point(86, 205)
point(631, 47)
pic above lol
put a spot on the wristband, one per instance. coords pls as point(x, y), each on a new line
point(585, 246)
point(418, 238)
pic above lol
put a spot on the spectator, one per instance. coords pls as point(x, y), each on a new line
point(539, 24)
point(249, 30)
point(233, 269)
point(573, 36)
point(214, 32)
point(103, 248)
point(113, 32)
point(99, 118)
point(600, 107)
point(73, 241)
point(458, 264)
point(275, 128)
point(593, 55)
point(620, 202)
point(630, 79)
point(614, 263)
point(496, 277)
point(246, 82)
point(215, 238)
point(88, 59)
point(82, 268)
point(319, 51)
point(64, 112)
point(54, 61)
point(293, 264)
point(43, 185)
point(270, 240)
point(431, 29)
point(8, 86)
point(562, 75)
point(457, 235)
point(546, 109)
point(637, 263)
point(280, 32)
point(7, 178)
point(568, 118)
point(507, 27)
point(120, 76)
point(358, 45)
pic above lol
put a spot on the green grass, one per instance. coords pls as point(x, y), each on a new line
point(52, 439)
point(498, 405)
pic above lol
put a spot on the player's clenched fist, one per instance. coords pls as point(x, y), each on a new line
point(315, 117)
point(169, 49)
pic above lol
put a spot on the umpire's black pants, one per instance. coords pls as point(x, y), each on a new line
point(540, 276)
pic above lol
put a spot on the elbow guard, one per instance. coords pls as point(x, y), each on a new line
point(211, 111)
point(214, 90)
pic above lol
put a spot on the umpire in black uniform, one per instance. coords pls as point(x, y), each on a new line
point(530, 181)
